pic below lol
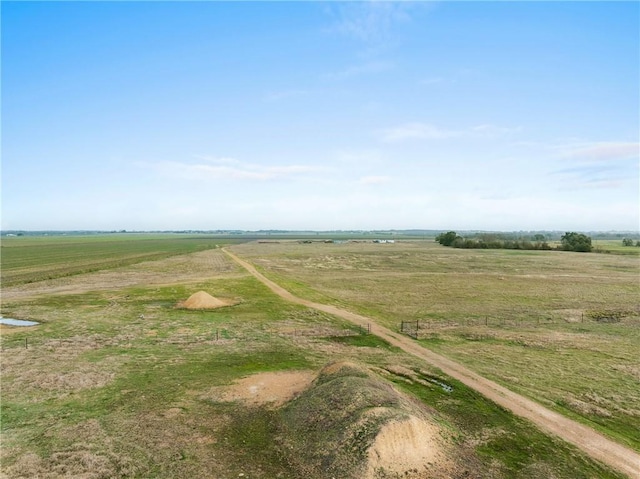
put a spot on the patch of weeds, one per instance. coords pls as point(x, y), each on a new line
point(159, 380)
point(432, 338)
point(251, 440)
point(608, 315)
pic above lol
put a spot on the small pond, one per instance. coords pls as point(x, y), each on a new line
point(17, 322)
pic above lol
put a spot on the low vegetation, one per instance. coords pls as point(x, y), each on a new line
point(561, 328)
point(570, 241)
point(118, 382)
point(31, 259)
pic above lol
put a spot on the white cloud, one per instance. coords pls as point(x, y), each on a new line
point(370, 21)
point(602, 151)
point(417, 131)
point(428, 131)
point(230, 169)
point(598, 165)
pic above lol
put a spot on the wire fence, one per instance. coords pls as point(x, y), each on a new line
point(420, 327)
point(219, 336)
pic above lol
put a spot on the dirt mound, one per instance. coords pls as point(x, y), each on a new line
point(404, 448)
point(203, 300)
point(351, 423)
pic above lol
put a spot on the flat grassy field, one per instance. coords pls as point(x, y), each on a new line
point(562, 328)
point(118, 382)
point(36, 258)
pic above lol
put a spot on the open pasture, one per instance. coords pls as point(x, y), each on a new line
point(560, 327)
point(30, 259)
point(118, 382)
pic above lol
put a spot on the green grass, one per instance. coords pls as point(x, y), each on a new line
point(363, 340)
point(103, 391)
point(30, 259)
point(527, 319)
point(518, 448)
point(588, 372)
point(616, 247)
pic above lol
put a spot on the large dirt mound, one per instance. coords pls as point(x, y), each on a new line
point(350, 423)
point(203, 300)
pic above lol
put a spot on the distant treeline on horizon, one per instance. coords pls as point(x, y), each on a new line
point(533, 235)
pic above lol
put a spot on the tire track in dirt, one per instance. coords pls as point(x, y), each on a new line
point(588, 440)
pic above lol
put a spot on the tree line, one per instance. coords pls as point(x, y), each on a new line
point(629, 242)
point(570, 241)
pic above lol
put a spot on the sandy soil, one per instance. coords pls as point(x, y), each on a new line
point(203, 300)
point(588, 440)
point(405, 449)
point(265, 388)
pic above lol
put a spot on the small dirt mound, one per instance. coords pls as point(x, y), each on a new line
point(203, 300)
point(271, 388)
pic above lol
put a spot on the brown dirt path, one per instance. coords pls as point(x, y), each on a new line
point(588, 440)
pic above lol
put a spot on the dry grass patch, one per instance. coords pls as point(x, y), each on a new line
point(183, 269)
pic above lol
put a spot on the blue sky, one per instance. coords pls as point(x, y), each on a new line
point(321, 115)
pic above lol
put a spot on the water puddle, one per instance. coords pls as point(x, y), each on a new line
point(445, 387)
point(17, 322)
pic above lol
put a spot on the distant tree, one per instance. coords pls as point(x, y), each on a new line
point(447, 239)
point(638, 243)
point(572, 241)
point(627, 242)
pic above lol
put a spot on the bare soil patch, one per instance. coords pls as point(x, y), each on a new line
point(265, 388)
point(405, 448)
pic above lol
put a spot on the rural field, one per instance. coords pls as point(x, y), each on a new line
point(122, 379)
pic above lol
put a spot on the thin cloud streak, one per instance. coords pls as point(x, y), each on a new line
point(230, 169)
point(370, 22)
point(416, 131)
point(360, 69)
point(604, 152)
point(428, 131)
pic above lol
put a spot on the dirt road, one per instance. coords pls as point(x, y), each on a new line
point(593, 443)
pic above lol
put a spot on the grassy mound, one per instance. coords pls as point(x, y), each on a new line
point(331, 429)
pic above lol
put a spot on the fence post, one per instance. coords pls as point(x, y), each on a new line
point(26, 344)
